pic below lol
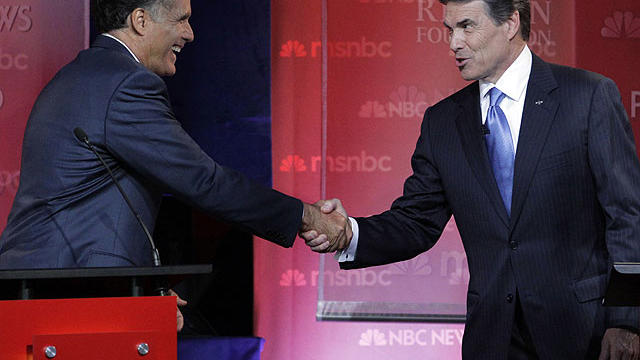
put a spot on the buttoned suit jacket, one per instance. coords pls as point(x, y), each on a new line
point(68, 212)
point(575, 209)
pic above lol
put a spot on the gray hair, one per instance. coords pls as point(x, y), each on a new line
point(110, 15)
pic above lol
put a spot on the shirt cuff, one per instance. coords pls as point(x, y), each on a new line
point(349, 254)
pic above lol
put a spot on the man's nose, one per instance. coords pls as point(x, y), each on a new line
point(456, 42)
point(188, 34)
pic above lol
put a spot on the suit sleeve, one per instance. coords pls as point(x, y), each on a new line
point(416, 219)
point(142, 132)
point(616, 171)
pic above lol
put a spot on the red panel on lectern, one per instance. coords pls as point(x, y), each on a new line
point(22, 321)
point(105, 346)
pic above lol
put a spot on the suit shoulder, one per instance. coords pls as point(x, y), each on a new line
point(578, 78)
point(106, 67)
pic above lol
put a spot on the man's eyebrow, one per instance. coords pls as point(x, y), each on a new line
point(460, 24)
point(465, 22)
point(184, 16)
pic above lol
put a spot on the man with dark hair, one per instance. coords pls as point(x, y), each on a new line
point(68, 211)
point(108, 15)
point(500, 11)
point(538, 165)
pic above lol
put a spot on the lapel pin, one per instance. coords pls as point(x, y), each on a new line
point(539, 102)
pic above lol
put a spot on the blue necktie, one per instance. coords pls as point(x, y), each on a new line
point(500, 147)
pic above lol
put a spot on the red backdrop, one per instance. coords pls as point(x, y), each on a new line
point(387, 60)
point(37, 37)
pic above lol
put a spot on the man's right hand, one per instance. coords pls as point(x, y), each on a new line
point(323, 241)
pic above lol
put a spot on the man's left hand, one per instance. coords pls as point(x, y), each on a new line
point(620, 344)
point(325, 231)
point(179, 317)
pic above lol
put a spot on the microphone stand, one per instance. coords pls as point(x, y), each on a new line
point(161, 288)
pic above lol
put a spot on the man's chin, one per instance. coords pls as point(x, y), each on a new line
point(467, 74)
point(169, 71)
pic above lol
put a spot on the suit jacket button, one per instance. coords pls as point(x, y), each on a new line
point(509, 298)
point(513, 244)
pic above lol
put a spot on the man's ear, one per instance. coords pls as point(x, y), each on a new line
point(513, 25)
point(139, 19)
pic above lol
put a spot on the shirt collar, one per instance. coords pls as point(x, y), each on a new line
point(514, 81)
point(123, 44)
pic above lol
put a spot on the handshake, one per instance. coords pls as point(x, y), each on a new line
point(326, 226)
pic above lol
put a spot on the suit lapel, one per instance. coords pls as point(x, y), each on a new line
point(539, 112)
point(468, 123)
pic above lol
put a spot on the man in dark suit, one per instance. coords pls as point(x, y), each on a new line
point(538, 165)
point(68, 211)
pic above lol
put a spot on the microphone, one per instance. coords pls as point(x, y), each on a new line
point(484, 129)
point(82, 136)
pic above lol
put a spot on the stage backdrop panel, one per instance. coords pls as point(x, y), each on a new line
point(384, 69)
point(386, 61)
point(608, 42)
point(37, 37)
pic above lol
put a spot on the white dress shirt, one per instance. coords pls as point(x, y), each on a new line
point(513, 83)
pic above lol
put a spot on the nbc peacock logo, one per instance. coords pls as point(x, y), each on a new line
point(293, 163)
point(292, 277)
point(372, 109)
point(9, 181)
point(621, 25)
point(372, 337)
point(293, 48)
point(405, 102)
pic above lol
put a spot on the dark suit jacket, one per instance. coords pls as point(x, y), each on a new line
point(575, 209)
point(68, 212)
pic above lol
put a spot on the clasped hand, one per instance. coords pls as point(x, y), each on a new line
point(325, 226)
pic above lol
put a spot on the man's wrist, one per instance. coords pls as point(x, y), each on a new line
point(307, 216)
point(632, 329)
point(349, 253)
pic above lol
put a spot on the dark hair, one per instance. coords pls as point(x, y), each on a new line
point(501, 10)
point(110, 15)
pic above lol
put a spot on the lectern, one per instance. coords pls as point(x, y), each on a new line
point(90, 313)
